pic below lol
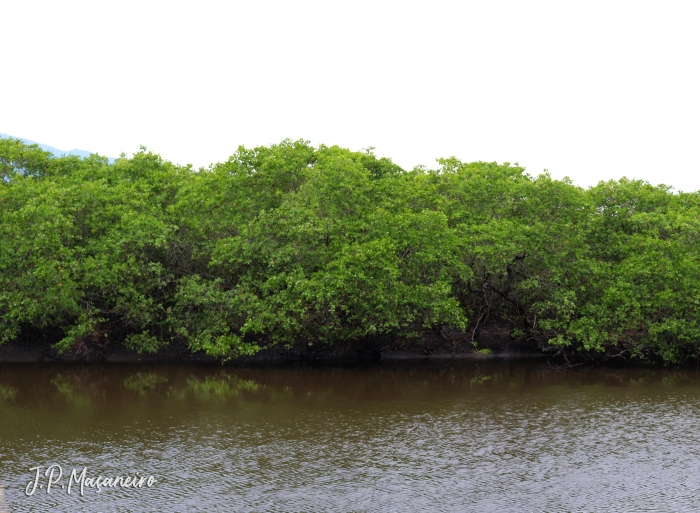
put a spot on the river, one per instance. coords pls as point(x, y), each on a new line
point(462, 436)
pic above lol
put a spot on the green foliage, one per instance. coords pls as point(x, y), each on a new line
point(290, 243)
point(144, 343)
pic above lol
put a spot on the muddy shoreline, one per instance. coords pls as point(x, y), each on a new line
point(494, 342)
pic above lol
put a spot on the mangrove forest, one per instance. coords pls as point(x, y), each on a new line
point(293, 244)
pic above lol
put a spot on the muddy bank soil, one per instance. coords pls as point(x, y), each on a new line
point(494, 341)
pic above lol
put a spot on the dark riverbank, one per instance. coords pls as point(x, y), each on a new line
point(493, 342)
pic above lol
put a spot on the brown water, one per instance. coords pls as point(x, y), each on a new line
point(502, 436)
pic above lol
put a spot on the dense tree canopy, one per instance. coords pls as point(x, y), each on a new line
point(290, 242)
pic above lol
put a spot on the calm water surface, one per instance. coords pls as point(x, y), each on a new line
point(500, 436)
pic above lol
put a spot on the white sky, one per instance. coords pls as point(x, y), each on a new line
point(589, 89)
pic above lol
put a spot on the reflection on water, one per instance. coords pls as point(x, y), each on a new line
point(493, 436)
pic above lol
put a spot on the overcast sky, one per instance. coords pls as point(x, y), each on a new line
point(591, 89)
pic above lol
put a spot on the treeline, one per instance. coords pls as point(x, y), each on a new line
point(292, 243)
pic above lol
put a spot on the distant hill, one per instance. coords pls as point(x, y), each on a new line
point(55, 151)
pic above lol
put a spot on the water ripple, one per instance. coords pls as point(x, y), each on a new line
point(396, 439)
